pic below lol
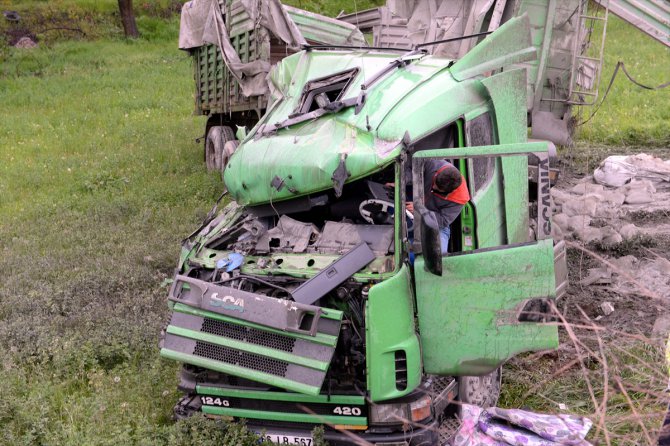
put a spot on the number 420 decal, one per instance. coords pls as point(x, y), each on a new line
point(344, 410)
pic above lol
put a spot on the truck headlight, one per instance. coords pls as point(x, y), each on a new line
point(420, 409)
point(401, 413)
point(389, 413)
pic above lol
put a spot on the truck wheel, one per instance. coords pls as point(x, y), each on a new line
point(482, 391)
point(217, 136)
point(228, 149)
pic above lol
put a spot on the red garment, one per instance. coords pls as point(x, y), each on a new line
point(459, 195)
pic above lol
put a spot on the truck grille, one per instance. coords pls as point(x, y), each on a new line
point(238, 358)
point(400, 370)
point(281, 358)
point(248, 334)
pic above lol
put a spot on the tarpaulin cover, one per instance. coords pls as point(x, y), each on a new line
point(505, 427)
point(192, 26)
point(430, 20)
point(202, 22)
point(615, 171)
point(197, 26)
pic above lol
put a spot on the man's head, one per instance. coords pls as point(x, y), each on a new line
point(447, 180)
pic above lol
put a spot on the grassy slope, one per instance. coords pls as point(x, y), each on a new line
point(333, 7)
point(99, 179)
point(631, 115)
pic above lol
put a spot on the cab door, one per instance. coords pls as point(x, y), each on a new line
point(469, 303)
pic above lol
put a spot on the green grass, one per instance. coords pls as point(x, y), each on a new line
point(631, 115)
point(541, 385)
point(332, 8)
point(99, 181)
point(66, 20)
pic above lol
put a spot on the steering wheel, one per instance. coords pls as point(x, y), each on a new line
point(372, 210)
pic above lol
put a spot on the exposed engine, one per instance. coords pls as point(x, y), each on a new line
point(284, 251)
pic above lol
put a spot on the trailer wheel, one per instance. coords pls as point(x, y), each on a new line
point(217, 136)
point(228, 149)
point(482, 391)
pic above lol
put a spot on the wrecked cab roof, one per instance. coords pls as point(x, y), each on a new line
point(320, 153)
point(316, 137)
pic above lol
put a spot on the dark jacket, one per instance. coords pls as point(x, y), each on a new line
point(446, 209)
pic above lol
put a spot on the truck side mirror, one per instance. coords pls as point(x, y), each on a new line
point(430, 240)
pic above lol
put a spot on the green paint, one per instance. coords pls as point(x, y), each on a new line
point(506, 90)
point(280, 396)
point(389, 327)
point(250, 348)
point(419, 98)
point(468, 234)
point(467, 317)
point(283, 416)
point(319, 338)
point(240, 371)
point(521, 148)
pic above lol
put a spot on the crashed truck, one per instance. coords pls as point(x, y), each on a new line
point(314, 298)
point(569, 37)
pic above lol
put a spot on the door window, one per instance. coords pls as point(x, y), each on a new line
point(480, 133)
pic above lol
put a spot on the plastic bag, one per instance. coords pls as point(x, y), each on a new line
point(615, 171)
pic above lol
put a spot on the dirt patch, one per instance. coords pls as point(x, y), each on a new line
point(633, 313)
point(614, 316)
point(48, 24)
point(638, 245)
point(14, 34)
point(649, 218)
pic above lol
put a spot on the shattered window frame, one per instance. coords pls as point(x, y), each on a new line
point(341, 81)
point(479, 131)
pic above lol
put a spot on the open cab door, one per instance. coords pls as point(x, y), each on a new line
point(471, 304)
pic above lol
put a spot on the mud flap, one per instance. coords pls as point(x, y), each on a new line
point(273, 341)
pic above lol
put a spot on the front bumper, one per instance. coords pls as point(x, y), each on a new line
point(426, 435)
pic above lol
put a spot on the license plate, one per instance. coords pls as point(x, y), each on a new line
point(288, 439)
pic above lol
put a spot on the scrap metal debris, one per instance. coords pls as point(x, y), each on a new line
point(607, 308)
point(597, 276)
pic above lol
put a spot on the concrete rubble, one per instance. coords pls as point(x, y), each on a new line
point(604, 209)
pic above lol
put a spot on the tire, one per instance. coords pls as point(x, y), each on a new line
point(482, 391)
point(228, 149)
point(215, 157)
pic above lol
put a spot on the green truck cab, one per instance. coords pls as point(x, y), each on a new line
point(314, 298)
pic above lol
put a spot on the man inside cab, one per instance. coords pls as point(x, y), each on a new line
point(445, 193)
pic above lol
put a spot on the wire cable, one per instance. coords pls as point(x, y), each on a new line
point(622, 66)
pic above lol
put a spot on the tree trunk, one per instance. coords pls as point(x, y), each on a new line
point(128, 18)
